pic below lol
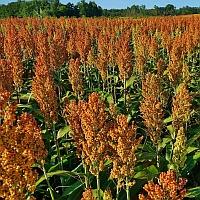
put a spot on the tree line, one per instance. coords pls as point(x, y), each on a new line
point(53, 8)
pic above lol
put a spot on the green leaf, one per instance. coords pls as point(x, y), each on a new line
point(165, 72)
point(72, 188)
point(137, 187)
point(196, 132)
point(78, 168)
point(193, 192)
point(95, 193)
point(191, 162)
point(129, 118)
point(191, 149)
point(63, 131)
point(26, 96)
point(138, 168)
point(25, 106)
point(167, 120)
point(47, 136)
point(147, 147)
point(168, 152)
point(54, 167)
point(151, 172)
point(140, 175)
point(164, 142)
point(196, 156)
point(148, 173)
point(108, 162)
point(170, 128)
point(63, 173)
point(110, 98)
point(146, 156)
point(130, 81)
point(76, 195)
point(64, 160)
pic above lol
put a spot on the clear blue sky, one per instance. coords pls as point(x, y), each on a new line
point(128, 3)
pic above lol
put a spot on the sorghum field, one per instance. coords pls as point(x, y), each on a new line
point(99, 108)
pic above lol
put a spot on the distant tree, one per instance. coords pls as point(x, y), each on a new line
point(135, 10)
point(156, 10)
point(94, 10)
point(83, 8)
point(89, 9)
point(142, 10)
point(27, 9)
point(170, 9)
point(46, 8)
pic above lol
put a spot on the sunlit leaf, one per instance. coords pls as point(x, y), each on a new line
point(63, 131)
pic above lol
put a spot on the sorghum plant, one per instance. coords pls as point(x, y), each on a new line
point(87, 195)
point(124, 57)
point(174, 72)
point(4, 98)
point(43, 84)
point(90, 128)
point(102, 59)
point(123, 144)
point(107, 195)
point(6, 77)
point(181, 107)
point(151, 107)
point(179, 151)
point(21, 146)
point(124, 60)
point(160, 67)
point(88, 121)
point(75, 77)
point(14, 55)
point(57, 50)
point(168, 188)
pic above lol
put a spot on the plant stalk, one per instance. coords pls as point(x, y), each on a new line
point(124, 90)
point(98, 186)
point(59, 156)
point(157, 158)
point(57, 147)
point(127, 189)
point(117, 193)
point(49, 186)
point(86, 176)
point(114, 85)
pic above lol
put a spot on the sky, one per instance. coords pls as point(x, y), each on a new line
point(119, 4)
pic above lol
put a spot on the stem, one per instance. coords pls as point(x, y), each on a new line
point(98, 80)
point(57, 147)
point(29, 98)
point(17, 92)
point(115, 98)
point(49, 186)
point(157, 158)
point(117, 193)
point(127, 189)
point(103, 86)
point(58, 154)
point(89, 76)
point(84, 72)
point(59, 85)
point(124, 91)
point(107, 79)
point(86, 176)
point(98, 186)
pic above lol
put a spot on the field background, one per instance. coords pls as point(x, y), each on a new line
point(100, 103)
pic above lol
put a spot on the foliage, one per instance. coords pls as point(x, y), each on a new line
point(114, 102)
